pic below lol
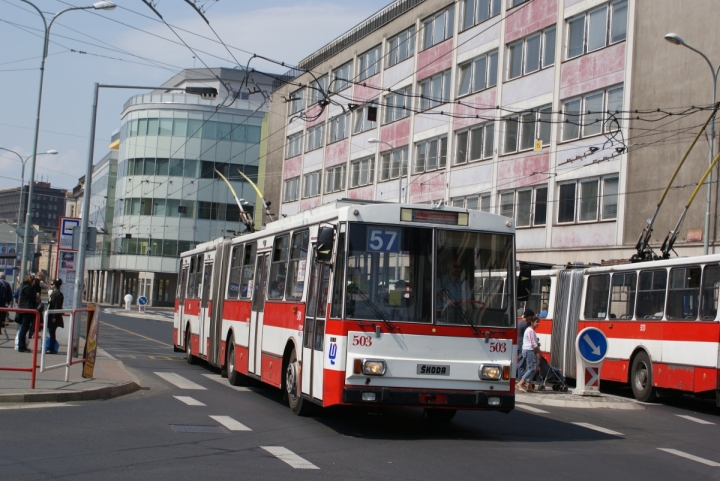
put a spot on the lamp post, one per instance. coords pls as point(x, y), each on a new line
point(400, 169)
point(103, 5)
point(23, 161)
point(676, 40)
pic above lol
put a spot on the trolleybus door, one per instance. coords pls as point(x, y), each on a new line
point(256, 316)
point(182, 287)
point(314, 329)
point(205, 308)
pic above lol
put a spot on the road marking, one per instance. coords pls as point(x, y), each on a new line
point(284, 454)
point(598, 428)
point(690, 456)
point(530, 408)
point(180, 381)
point(230, 423)
point(36, 406)
point(219, 378)
point(136, 334)
point(696, 420)
point(189, 401)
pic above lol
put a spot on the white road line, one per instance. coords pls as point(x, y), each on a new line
point(289, 457)
point(180, 381)
point(219, 378)
point(36, 406)
point(696, 420)
point(189, 401)
point(598, 428)
point(690, 456)
point(530, 408)
point(230, 423)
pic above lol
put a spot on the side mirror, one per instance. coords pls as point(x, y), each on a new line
point(325, 240)
point(524, 285)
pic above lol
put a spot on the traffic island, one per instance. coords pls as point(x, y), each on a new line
point(570, 400)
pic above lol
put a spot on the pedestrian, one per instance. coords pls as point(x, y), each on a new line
point(55, 320)
point(521, 326)
point(531, 349)
point(27, 299)
point(6, 296)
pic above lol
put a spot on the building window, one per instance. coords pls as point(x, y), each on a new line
point(397, 105)
point(338, 127)
point(311, 184)
point(598, 28)
point(318, 89)
point(435, 90)
point(477, 11)
point(362, 172)
point(294, 145)
point(515, 3)
point(588, 200)
point(531, 54)
point(438, 28)
point(430, 155)
point(297, 101)
point(315, 137)
point(521, 131)
point(478, 74)
point(365, 119)
point(472, 202)
point(475, 143)
point(369, 63)
point(335, 179)
point(592, 114)
point(401, 47)
point(291, 189)
point(527, 206)
point(390, 163)
point(341, 77)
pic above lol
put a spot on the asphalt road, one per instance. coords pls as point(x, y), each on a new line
point(140, 436)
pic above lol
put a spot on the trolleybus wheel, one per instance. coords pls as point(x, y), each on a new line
point(440, 415)
point(292, 386)
point(641, 378)
point(188, 349)
point(235, 378)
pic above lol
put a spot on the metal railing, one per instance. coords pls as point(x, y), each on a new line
point(70, 343)
point(32, 370)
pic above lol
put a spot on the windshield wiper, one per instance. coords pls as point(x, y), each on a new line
point(459, 308)
point(356, 290)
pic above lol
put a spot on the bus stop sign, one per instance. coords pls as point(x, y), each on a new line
point(142, 302)
point(592, 345)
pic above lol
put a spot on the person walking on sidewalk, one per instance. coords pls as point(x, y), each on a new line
point(522, 325)
point(55, 320)
point(6, 295)
point(26, 300)
point(530, 349)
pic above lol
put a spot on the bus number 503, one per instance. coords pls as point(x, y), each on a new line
point(365, 341)
point(498, 347)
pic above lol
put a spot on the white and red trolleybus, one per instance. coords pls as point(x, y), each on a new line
point(660, 318)
point(358, 303)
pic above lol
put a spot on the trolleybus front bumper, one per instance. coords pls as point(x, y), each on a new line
point(429, 398)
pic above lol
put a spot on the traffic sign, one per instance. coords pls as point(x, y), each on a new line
point(592, 345)
point(21, 231)
point(142, 300)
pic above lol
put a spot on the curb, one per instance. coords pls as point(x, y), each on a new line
point(528, 399)
point(107, 392)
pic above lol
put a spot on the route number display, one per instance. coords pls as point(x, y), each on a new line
point(383, 240)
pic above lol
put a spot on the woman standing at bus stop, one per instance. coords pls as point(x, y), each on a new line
point(55, 320)
point(26, 300)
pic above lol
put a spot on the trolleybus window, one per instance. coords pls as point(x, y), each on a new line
point(651, 294)
point(622, 295)
point(684, 293)
point(235, 272)
point(183, 283)
point(539, 296)
point(596, 296)
point(247, 271)
point(278, 269)
point(339, 274)
point(470, 287)
point(297, 269)
point(389, 273)
point(710, 292)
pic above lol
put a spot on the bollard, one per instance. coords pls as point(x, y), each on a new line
point(128, 301)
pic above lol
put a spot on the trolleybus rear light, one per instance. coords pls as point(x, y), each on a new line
point(506, 372)
point(368, 396)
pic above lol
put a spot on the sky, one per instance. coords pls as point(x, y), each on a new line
point(130, 46)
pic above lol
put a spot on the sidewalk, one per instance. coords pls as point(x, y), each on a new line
point(570, 400)
point(111, 378)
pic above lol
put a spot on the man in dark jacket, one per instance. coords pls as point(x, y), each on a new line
point(5, 297)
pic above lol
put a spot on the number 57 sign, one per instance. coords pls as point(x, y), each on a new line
point(383, 240)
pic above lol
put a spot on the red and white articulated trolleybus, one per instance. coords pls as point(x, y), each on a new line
point(358, 303)
point(660, 318)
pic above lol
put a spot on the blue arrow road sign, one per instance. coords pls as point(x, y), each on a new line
point(142, 300)
point(593, 344)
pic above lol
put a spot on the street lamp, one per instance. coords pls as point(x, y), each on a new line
point(102, 5)
point(675, 39)
point(403, 163)
point(23, 161)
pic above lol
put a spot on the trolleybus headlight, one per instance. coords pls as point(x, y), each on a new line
point(490, 373)
point(373, 367)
